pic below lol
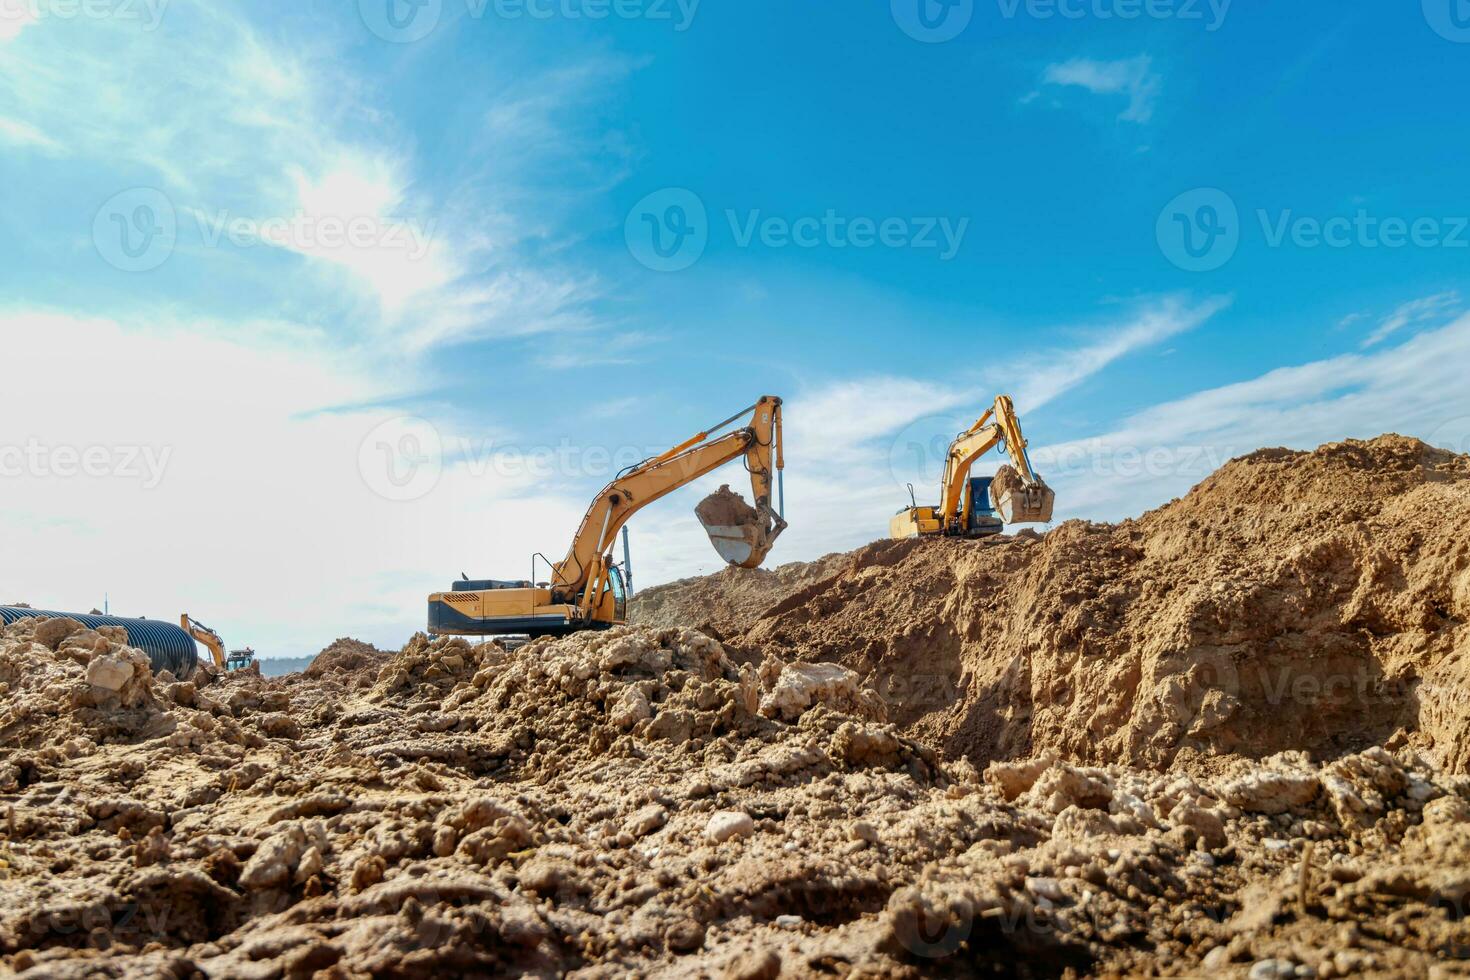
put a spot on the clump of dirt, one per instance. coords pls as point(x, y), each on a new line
point(636, 801)
point(726, 508)
point(1294, 600)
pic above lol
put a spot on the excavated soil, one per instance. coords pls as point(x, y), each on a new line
point(660, 800)
point(1293, 601)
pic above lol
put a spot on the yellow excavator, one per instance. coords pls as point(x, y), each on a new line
point(587, 589)
point(234, 660)
point(980, 506)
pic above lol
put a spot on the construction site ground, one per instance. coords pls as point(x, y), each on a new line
point(1230, 737)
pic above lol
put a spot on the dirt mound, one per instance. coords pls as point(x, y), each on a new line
point(347, 656)
point(636, 801)
point(729, 600)
point(1293, 600)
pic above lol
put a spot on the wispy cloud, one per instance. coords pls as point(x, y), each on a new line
point(1440, 306)
point(1414, 389)
point(293, 145)
point(15, 17)
point(1047, 376)
point(1133, 77)
point(27, 136)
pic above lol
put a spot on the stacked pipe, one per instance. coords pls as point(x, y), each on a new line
point(168, 647)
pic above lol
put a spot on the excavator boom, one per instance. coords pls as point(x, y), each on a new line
point(586, 588)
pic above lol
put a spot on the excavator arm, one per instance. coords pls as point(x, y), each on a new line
point(1029, 501)
point(208, 637)
point(586, 590)
point(581, 575)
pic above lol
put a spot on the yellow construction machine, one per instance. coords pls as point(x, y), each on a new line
point(587, 589)
point(234, 660)
point(975, 507)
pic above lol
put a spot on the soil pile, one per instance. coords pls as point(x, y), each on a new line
point(347, 656)
point(636, 801)
point(728, 601)
point(1293, 600)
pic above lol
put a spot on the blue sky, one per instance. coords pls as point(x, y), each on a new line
point(344, 299)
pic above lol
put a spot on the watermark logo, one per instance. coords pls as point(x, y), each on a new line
point(668, 230)
point(918, 453)
point(1450, 19)
point(1199, 230)
point(1211, 13)
point(136, 230)
point(402, 459)
point(144, 465)
point(1453, 435)
point(147, 13)
point(401, 21)
point(933, 21)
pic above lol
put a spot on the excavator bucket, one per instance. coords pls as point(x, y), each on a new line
point(738, 531)
point(1016, 502)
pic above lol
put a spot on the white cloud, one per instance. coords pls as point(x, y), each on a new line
point(1415, 313)
point(1133, 77)
point(1045, 377)
point(27, 136)
point(1414, 389)
point(15, 16)
point(263, 523)
point(285, 138)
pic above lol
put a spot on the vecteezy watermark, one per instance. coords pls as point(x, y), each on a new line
point(1450, 19)
point(318, 233)
point(933, 21)
point(669, 230)
point(937, 21)
point(407, 21)
point(136, 230)
point(1200, 230)
point(917, 455)
point(148, 14)
point(38, 460)
point(1211, 13)
point(402, 459)
point(1453, 434)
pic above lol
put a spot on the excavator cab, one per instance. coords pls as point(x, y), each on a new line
point(983, 518)
point(619, 590)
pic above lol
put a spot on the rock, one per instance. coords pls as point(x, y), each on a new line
point(1271, 791)
point(684, 936)
point(800, 686)
point(1062, 786)
point(645, 821)
point(864, 831)
point(108, 672)
point(52, 632)
point(763, 964)
point(1206, 823)
point(1015, 778)
point(1273, 970)
point(729, 824)
point(275, 860)
point(278, 724)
